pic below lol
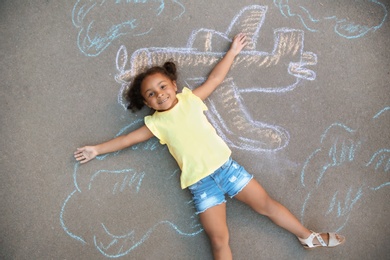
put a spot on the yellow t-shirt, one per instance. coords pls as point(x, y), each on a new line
point(190, 138)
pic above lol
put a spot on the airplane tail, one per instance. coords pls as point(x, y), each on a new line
point(249, 21)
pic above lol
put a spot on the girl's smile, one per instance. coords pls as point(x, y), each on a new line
point(159, 92)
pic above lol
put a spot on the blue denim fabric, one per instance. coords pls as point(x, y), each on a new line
point(210, 191)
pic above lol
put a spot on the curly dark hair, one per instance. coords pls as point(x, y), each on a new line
point(133, 95)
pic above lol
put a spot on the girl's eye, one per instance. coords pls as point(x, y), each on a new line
point(163, 86)
point(150, 94)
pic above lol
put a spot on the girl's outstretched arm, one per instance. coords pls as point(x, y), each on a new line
point(87, 153)
point(220, 71)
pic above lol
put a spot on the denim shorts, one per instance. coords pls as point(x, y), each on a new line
point(210, 191)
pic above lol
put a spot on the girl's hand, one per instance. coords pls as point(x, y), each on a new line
point(85, 154)
point(239, 42)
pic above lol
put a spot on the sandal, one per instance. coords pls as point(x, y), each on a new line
point(333, 240)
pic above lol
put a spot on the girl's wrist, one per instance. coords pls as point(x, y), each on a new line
point(96, 149)
point(232, 52)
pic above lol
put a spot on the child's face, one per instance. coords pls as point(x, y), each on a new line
point(159, 92)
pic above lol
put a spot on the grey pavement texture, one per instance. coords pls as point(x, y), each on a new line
point(305, 108)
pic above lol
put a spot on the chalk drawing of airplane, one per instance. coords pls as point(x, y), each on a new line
point(280, 70)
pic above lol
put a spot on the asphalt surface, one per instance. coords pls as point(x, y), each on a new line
point(305, 108)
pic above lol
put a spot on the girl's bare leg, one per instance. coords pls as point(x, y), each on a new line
point(257, 198)
point(214, 223)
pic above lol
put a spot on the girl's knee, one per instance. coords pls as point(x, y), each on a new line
point(266, 205)
point(219, 241)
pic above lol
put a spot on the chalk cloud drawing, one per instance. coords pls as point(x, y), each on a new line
point(340, 159)
point(101, 194)
point(287, 62)
point(316, 16)
point(97, 32)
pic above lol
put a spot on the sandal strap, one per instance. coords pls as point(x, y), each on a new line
point(333, 241)
point(309, 241)
point(319, 238)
